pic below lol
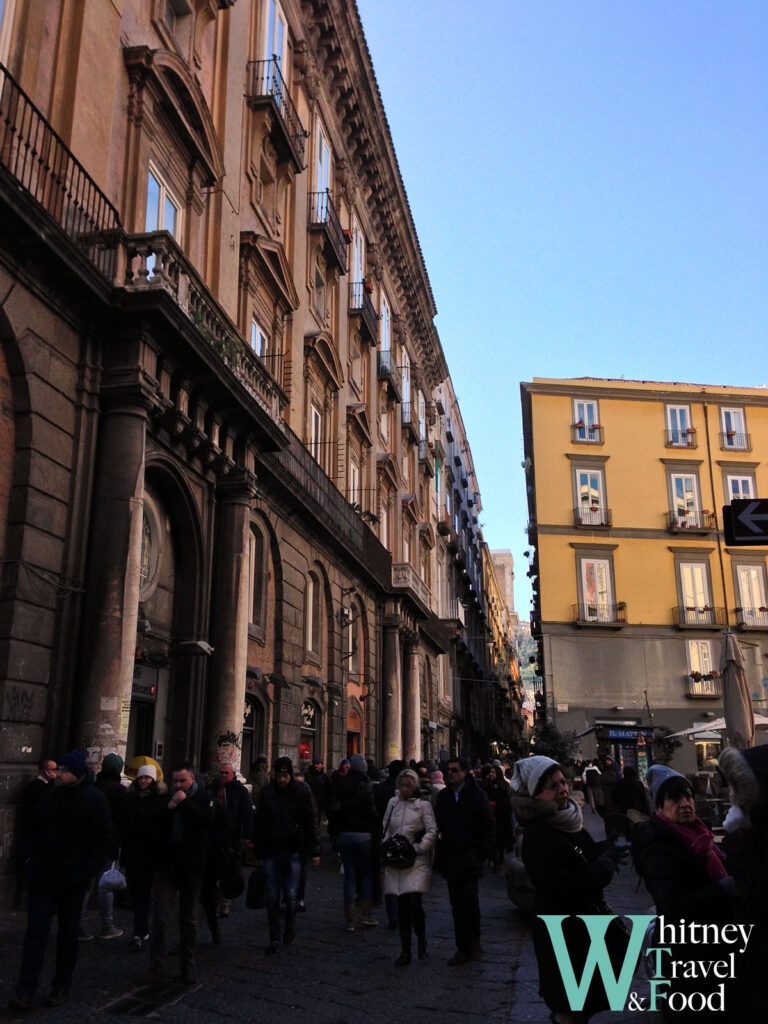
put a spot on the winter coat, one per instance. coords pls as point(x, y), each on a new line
point(258, 778)
point(320, 785)
point(415, 820)
point(568, 879)
point(68, 838)
point(682, 889)
point(140, 823)
point(467, 830)
point(499, 795)
point(238, 811)
point(351, 807)
point(286, 821)
point(185, 833)
point(116, 793)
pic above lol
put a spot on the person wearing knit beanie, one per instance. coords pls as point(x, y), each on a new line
point(74, 763)
point(656, 776)
point(112, 764)
point(357, 763)
point(527, 773)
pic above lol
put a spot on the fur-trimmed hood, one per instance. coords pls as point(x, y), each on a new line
point(746, 772)
point(530, 810)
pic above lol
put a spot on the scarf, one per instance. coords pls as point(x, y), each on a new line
point(569, 820)
point(700, 843)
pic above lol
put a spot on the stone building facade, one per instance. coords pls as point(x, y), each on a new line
point(223, 465)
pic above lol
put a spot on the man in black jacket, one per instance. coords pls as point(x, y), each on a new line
point(184, 837)
point(467, 833)
point(235, 800)
point(284, 831)
point(66, 841)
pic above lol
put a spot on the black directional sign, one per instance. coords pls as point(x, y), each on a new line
point(745, 522)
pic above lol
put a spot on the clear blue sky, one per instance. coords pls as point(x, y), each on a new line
point(588, 180)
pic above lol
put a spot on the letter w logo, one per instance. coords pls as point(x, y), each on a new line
point(597, 925)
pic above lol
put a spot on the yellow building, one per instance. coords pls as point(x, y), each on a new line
point(634, 582)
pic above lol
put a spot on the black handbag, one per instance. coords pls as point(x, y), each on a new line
point(256, 895)
point(231, 883)
point(398, 852)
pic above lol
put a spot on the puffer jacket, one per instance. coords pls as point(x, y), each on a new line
point(411, 818)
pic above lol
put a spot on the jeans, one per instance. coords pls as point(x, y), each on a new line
point(164, 890)
point(355, 851)
point(41, 908)
point(283, 876)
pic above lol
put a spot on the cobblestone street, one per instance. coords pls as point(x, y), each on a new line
point(328, 976)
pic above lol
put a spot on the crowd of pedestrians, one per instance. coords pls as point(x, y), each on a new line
point(192, 841)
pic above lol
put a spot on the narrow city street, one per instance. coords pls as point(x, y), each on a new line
point(328, 976)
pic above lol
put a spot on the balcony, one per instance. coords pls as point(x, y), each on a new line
point(680, 438)
point(42, 166)
point(405, 577)
point(704, 616)
point(708, 685)
point(324, 218)
point(267, 90)
point(407, 419)
point(583, 434)
point(154, 264)
point(752, 618)
point(453, 613)
point(444, 522)
point(360, 306)
point(388, 372)
point(614, 616)
point(732, 441)
point(426, 457)
point(691, 520)
point(592, 517)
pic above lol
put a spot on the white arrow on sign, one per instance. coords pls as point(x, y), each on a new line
point(750, 518)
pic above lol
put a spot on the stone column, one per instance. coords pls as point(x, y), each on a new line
point(392, 690)
point(411, 702)
point(112, 587)
point(229, 636)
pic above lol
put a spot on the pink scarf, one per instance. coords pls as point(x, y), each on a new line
point(700, 843)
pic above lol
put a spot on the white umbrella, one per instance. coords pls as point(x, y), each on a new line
point(737, 703)
point(717, 725)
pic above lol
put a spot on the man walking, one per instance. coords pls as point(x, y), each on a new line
point(235, 800)
point(467, 830)
point(184, 836)
point(284, 832)
point(66, 841)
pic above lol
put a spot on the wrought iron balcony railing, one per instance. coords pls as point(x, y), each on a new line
point(699, 615)
point(592, 515)
point(752, 618)
point(324, 217)
point(154, 262)
point(705, 686)
point(266, 85)
point(388, 371)
point(600, 614)
point(41, 165)
point(360, 305)
point(692, 520)
point(452, 610)
point(583, 434)
point(732, 440)
point(680, 438)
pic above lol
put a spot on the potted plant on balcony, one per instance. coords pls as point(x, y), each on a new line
point(368, 285)
point(762, 609)
point(696, 677)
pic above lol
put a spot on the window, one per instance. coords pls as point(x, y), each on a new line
point(319, 289)
point(596, 591)
point(258, 577)
point(586, 424)
point(733, 431)
point(312, 614)
point(276, 35)
point(685, 508)
point(700, 656)
point(322, 169)
point(739, 487)
point(696, 609)
point(406, 541)
point(405, 378)
point(422, 418)
point(163, 209)
point(315, 432)
point(385, 326)
point(258, 339)
point(354, 482)
point(358, 254)
point(679, 430)
point(6, 19)
point(751, 591)
point(589, 483)
point(384, 521)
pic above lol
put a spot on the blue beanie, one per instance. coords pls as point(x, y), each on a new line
point(656, 776)
point(74, 762)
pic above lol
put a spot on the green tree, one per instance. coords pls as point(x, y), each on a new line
point(549, 741)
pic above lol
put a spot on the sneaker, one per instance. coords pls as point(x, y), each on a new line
point(272, 949)
point(83, 934)
point(108, 931)
point(137, 942)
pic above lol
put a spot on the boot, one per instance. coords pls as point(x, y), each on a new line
point(365, 914)
point(404, 958)
point(421, 945)
point(349, 917)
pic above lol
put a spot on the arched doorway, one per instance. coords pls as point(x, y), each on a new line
point(310, 740)
point(254, 735)
point(354, 731)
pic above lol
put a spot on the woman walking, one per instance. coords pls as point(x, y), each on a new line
point(353, 824)
point(410, 816)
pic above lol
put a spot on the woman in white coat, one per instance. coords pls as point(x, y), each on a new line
point(408, 815)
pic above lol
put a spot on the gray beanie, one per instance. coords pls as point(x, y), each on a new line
point(656, 776)
point(357, 763)
point(527, 773)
